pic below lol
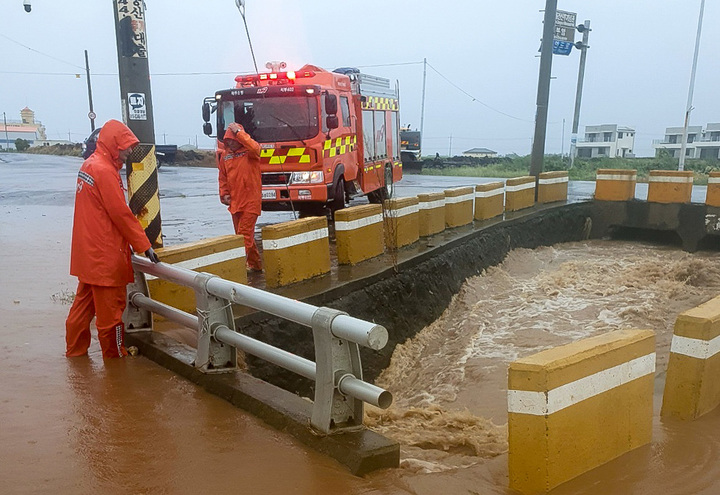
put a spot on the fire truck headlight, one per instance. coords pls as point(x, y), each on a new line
point(315, 177)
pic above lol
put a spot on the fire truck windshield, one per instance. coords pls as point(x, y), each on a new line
point(272, 119)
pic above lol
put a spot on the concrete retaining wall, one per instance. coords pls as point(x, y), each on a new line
point(223, 256)
point(615, 184)
point(359, 233)
point(295, 251)
point(519, 193)
point(489, 200)
point(670, 186)
point(713, 190)
point(431, 213)
point(401, 222)
point(553, 186)
point(692, 386)
point(458, 206)
point(575, 407)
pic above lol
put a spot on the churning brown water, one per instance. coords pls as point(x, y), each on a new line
point(450, 380)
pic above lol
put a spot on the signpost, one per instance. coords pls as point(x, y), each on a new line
point(564, 35)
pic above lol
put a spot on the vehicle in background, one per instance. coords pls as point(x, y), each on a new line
point(410, 149)
point(325, 136)
point(88, 146)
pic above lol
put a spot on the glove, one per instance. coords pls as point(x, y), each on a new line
point(235, 127)
point(150, 254)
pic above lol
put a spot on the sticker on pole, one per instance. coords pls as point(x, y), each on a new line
point(137, 108)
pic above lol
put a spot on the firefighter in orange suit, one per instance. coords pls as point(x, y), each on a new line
point(104, 228)
point(241, 187)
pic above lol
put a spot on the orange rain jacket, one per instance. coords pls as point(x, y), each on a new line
point(103, 224)
point(239, 173)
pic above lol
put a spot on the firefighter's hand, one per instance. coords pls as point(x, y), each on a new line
point(152, 256)
point(235, 128)
point(225, 199)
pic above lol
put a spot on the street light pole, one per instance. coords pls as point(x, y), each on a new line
point(422, 105)
point(578, 92)
point(543, 92)
point(681, 163)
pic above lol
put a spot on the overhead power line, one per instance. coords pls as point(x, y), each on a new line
point(42, 53)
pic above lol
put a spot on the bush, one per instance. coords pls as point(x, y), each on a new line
point(21, 144)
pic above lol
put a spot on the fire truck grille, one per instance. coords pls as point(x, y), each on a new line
point(275, 178)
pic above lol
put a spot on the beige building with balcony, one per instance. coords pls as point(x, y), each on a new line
point(26, 128)
point(701, 143)
point(606, 140)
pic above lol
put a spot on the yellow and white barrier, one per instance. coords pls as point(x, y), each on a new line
point(575, 407)
point(553, 186)
point(692, 386)
point(615, 184)
point(401, 222)
point(489, 200)
point(713, 189)
point(519, 193)
point(459, 206)
point(222, 256)
point(670, 186)
point(359, 233)
point(431, 213)
point(295, 251)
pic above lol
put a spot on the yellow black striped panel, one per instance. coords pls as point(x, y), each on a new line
point(143, 193)
point(339, 146)
point(380, 103)
point(284, 155)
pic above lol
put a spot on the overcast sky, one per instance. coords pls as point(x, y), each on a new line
point(482, 55)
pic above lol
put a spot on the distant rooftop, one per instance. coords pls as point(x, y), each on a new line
point(479, 150)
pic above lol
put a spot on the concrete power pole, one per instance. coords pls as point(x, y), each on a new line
point(683, 147)
point(137, 112)
point(578, 92)
point(91, 113)
point(422, 105)
point(543, 92)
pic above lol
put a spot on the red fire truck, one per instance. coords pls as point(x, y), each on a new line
point(325, 136)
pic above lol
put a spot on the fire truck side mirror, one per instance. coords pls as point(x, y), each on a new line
point(331, 106)
point(331, 122)
point(206, 112)
point(207, 128)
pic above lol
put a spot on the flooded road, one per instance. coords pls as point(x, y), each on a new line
point(85, 426)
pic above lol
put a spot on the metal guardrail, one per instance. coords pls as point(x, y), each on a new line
point(339, 388)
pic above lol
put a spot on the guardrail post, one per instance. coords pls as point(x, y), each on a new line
point(213, 311)
point(335, 359)
point(137, 319)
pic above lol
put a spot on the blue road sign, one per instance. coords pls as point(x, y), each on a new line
point(562, 47)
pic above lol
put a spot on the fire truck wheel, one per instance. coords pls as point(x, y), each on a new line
point(338, 202)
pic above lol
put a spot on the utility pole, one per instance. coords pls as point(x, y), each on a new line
point(137, 112)
point(7, 139)
point(422, 106)
point(562, 144)
point(450, 148)
point(91, 114)
point(681, 163)
point(543, 92)
point(585, 28)
point(134, 71)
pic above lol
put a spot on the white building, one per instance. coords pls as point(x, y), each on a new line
point(701, 143)
point(606, 140)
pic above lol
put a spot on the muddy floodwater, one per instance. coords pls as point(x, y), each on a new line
point(86, 426)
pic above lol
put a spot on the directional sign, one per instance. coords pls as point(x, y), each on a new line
point(565, 26)
point(562, 47)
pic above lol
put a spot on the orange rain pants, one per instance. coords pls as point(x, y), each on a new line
point(108, 303)
point(244, 223)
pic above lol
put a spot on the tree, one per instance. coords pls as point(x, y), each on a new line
point(21, 144)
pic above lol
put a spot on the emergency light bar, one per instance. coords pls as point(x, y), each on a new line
point(289, 76)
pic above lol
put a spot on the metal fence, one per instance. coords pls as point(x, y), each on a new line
point(339, 388)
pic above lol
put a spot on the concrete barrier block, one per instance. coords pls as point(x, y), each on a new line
point(222, 256)
point(431, 213)
point(519, 193)
point(692, 386)
point(713, 189)
point(459, 206)
point(359, 233)
point(401, 222)
point(575, 407)
point(615, 184)
point(553, 186)
point(295, 250)
point(489, 200)
point(670, 186)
